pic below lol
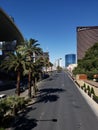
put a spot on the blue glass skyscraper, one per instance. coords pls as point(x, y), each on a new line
point(70, 59)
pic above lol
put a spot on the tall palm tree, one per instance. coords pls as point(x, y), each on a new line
point(14, 62)
point(37, 73)
point(29, 48)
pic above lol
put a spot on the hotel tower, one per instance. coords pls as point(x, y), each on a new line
point(87, 36)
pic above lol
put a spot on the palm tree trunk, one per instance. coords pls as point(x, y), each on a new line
point(29, 84)
point(40, 76)
point(51, 69)
point(46, 68)
point(18, 83)
point(35, 86)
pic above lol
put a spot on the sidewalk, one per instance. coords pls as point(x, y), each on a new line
point(93, 83)
point(90, 83)
point(25, 93)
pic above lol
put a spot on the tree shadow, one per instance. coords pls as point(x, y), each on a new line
point(52, 120)
point(28, 124)
point(25, 124)
point(47, 95)
point(27, 110)
point(51, 90)
point(22, 122)
point(19, 121)
point(47, 98)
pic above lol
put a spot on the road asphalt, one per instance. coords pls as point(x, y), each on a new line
point(60, 105)
point(89, 100)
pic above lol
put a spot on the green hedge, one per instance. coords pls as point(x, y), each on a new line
point(95, 98)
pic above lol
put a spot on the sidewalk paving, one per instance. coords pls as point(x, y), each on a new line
point(93, 83)
point(25, 93)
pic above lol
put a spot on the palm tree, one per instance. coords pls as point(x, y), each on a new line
point(14, 62)
point(51, 65)
point(46, 63)
point(37, 72)
point(29, 48)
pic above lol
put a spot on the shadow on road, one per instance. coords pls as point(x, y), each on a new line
point(29, 124)
point(24, 123)
point(21, 122)
point(48, 95)
point(47, 98)
point(51, 90)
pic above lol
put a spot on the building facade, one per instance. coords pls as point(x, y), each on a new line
point(10, 35)
point(70, 59)
point(87, 36)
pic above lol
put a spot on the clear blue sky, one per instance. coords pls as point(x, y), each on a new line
point(52, 22)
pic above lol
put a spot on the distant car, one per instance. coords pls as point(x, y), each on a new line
point(22, 89)
point(46, 75)
point(23, 86)
point(3, 96)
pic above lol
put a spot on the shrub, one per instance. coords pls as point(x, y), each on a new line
point(88, 88)
point(89, 92)
point(84, 85)
point(9, 107)
point(95, 98)
point(92, 91)
point(3, 109)
point(85, 89)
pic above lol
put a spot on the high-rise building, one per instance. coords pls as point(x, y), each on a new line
point(70, 59)
point(87, 36)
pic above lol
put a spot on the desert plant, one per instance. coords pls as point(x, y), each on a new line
point(81, 87)
point(92, 91)
point(15, 103)
point(95, 98)
point(88, 88)
point(89, 91)
point(84, 87)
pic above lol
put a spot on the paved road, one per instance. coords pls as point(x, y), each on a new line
point(59, 106)
point(8, 92)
